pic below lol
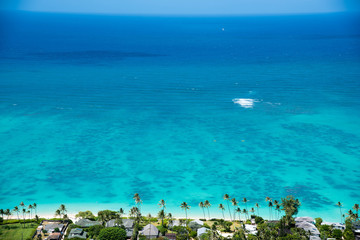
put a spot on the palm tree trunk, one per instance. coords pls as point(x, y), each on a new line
point(203, 212)
point(223, 214)
point(208, 212)
point(340, 215)
point(229, 211)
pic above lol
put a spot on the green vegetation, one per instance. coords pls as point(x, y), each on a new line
point(112, 233)
point(17, 231)
point(86, 214)
point(282, 227)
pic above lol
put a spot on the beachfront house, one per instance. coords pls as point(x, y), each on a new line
point(196, 224)
point(51, 227)
point(176, 223)
point(304, 219)
point(85, 223)
point(334, 225)
point(251, 229)
point(308, 227)
point(127, 223)
point(150, 231)
point(201, 231)
point(77, 233)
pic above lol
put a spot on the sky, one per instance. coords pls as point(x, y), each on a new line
point(184, 7)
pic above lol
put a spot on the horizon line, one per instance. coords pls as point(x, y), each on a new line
point(183, 14)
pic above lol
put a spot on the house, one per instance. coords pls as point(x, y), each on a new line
point(127, 223)
point(334, 225)
point(308, 227)
point(315, 238)
point(54, 236)
point(87, 223)
point(150, 231)
point(304, 219)
point(201, 231)
point(176, 223)
point(196, 224)
point(50, 228)
point(251, 229)
point(77, 232)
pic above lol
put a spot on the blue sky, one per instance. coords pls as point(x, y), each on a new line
point(189, 7)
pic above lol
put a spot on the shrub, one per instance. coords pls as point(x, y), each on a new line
point(94, 231)
point(252, 237)
point(193, 234)
point(112, 233)
point(318, 222)
point(162, 230)
point(142, 237)
point(337, 233)
point(259, 220)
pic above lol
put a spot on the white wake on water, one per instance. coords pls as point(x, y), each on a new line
point(245, 102)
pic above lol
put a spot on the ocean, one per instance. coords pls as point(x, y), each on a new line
point(95, 108)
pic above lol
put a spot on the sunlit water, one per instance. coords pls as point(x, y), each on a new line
point(96, 108)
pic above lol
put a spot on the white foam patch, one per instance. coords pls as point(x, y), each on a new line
point(245, 102)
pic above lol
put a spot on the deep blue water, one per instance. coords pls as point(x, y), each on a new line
point(95, 108)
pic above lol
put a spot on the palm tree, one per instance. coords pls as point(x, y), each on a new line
point(222, 209)
point(16, 209)
point(268, 199)
point(207, 205)
point(7, 213)
point(246, 213)
point(35, 206)
point(162, 204)
point(170, 218)
point(352, 216)
point(161, 215)
point(23, 212)
point(339, 204)
point(120, 212)
point(235, 204)
point(277, 208)
point(238, 210)
point(276, 202)
point(227, 198)
point(63, 210)
point(185, 207)
point(137, 201)
point(245, 201)
point(2, 212)
point(30, 207)
point(134, 212)
point(252, 210)
point(201, 205)
point(58, 213)
point(270, 209)
point(257, 207)
point(356, 208)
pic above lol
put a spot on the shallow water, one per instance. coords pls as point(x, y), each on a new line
point(96, 108)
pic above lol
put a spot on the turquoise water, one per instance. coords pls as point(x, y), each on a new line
point(96, 108)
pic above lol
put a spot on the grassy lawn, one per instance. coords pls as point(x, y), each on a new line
point(15, 231)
